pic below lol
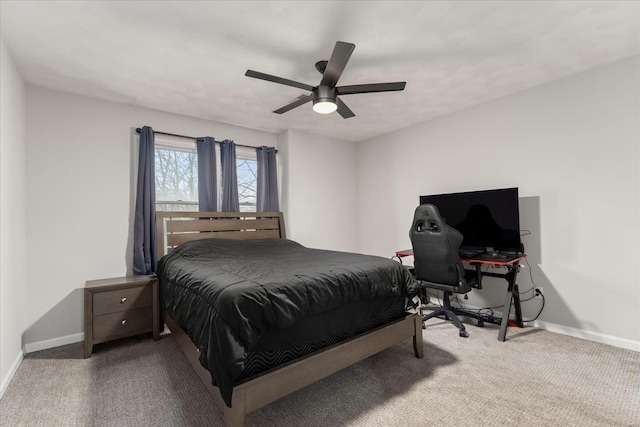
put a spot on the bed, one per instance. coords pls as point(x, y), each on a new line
point(257, 327)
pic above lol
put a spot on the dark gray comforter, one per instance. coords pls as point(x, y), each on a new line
point(226, 293)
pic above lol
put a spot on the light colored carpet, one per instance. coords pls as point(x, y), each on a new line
point(535, 378)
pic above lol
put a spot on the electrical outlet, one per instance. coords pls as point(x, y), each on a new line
point(539, 291)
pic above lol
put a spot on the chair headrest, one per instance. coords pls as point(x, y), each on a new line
point(427, 218)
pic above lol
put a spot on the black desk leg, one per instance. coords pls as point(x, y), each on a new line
point(513, 295)
point(518, 307)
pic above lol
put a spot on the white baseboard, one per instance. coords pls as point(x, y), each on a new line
point(574, 332)
point(12, 371)
point(589, 335)
point(54, 342)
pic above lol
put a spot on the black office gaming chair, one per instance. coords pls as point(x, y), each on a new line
point(437, 261)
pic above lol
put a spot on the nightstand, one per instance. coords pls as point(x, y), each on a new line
point(118, 308)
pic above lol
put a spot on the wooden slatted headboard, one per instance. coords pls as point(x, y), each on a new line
point(174, 228)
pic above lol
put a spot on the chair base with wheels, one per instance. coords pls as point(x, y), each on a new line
point(447, 311)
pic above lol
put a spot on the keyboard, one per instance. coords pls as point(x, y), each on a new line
point(492, 256)
point(469, 253)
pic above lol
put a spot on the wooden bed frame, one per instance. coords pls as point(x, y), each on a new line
point(174, 228)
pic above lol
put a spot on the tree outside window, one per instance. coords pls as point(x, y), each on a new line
point(247, 171)
point(176, 180)
point(176, 176)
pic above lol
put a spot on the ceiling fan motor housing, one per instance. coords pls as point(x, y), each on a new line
point(324, 94)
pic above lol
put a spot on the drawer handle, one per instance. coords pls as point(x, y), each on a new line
point(123, 300)
point(124, 322)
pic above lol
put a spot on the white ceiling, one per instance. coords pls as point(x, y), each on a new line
point(190, 57)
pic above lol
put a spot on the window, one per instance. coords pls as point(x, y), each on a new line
point(176, 177)
point(247, 171)
point(176, 167)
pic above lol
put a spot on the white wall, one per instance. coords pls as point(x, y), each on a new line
point(572, 148)
point(12, 217)
point(319, 190)
point(82, 159)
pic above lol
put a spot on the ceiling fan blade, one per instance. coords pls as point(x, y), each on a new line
point(298, 102)
point(343, 110)
point(274, 79)
point(372, 87)
point(339, 58)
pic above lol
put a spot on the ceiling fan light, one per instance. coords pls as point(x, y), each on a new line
point(324, 107)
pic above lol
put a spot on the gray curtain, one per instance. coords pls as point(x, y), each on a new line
point(207, 179)
point(144, 226)
point(230, 202)
point(267, 200)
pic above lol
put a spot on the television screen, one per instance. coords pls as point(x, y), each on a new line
point(486, 219)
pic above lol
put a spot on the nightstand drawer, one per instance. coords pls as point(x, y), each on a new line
point(121, 300)
point(123, 322)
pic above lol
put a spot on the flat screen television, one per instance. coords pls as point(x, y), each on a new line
point(488, 220)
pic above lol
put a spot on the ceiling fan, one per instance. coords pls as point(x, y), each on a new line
point(325, 95)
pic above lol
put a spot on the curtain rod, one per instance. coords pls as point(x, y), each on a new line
point(138, 130)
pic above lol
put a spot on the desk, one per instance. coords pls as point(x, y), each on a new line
point(512, 297)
